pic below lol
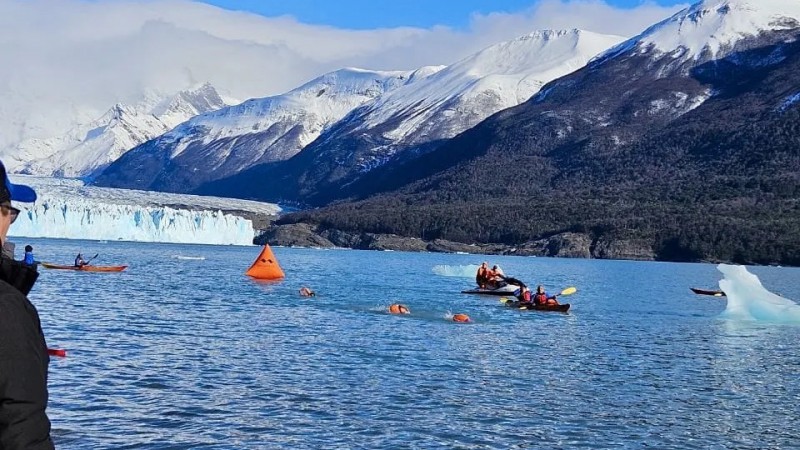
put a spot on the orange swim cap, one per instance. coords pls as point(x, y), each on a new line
point(461, 318)
point(399, 309)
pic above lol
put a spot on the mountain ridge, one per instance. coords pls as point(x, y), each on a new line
point(255, 131)
point(696, 158)
point(414, 118)
point(88, 148)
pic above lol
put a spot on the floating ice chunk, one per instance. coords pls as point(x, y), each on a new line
point(749, 300)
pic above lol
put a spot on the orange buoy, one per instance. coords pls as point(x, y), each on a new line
point(266, 266)
point(461, 318)
point(397, 308)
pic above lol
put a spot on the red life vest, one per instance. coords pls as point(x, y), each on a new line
point(540, 299)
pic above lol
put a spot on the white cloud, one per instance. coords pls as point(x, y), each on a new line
point(70, 60)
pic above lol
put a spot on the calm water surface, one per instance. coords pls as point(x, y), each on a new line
point(188, 353)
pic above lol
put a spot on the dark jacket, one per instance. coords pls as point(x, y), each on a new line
point(23, 362)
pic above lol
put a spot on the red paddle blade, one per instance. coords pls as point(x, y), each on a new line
point(60, 352)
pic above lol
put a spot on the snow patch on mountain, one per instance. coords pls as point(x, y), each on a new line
point(313, 106)
point(498, 77)
point(791, 100)
point(89, 148)
point(678, 103)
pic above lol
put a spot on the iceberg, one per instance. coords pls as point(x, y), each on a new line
point(69, 209)
point(748, 300)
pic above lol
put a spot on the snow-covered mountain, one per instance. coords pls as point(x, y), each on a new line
point(68, 209)
point(712, 29)
point(463, 94)
point(649, 150)
point(416, 108)
point(416, 117)
point(89, 148)
point(221, 143)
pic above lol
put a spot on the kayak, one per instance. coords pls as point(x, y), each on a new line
point(531, 307)
point(507, 290)
point(708, 292)
point(86, 268)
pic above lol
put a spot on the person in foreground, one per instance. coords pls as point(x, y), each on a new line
point(23, 351)
point(541, 297)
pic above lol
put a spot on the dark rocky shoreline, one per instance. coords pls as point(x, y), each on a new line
point(563, 245)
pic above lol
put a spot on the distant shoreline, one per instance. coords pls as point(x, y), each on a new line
point(563, 245)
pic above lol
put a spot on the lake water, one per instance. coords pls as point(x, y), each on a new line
point(189, 353)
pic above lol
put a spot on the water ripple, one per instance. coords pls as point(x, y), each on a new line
point(176, 354)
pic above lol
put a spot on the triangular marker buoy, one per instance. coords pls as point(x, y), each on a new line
point(266, 266)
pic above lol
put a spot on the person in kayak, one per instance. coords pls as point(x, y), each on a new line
point(23, 350)
point(482, 277)
point(541, 298)
point(523, 295)
point(29, 259)
point(79, 261)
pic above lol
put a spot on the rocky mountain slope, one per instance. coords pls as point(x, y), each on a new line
point(682, 142)
point(416, 117)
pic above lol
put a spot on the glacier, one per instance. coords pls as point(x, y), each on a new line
point(66, 208)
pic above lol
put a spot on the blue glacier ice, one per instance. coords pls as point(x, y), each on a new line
point(68, 209)
point(749, 300)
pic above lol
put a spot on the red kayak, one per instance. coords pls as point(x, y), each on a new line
point(532, 307)
point(556, 308)
point(86, 268)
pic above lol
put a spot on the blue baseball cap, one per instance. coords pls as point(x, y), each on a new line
point(17, 192)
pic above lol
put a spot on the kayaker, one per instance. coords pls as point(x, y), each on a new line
point(523, 295)
point(541, 298)
point(482, 277)
point(79, 261)
point(23, 351)
point(29, 259)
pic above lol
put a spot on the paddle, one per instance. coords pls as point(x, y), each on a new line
point(568, 291)
point(90, 259)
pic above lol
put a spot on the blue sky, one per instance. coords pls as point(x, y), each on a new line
point(370, 14)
